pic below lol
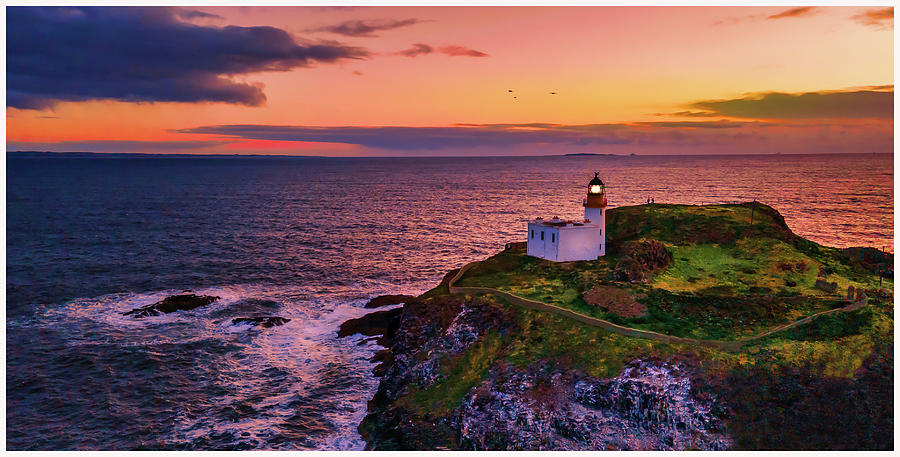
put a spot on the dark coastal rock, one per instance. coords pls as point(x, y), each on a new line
point(248, 307)
point(387, 300)
point(264, 321)
point(171, 304)
point(650, 405)
point(371, 324)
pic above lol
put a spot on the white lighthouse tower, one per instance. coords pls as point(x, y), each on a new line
point(566, 241)
point(595, 208)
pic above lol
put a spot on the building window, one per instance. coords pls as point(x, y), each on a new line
point(542, 235)
point(532, 233)
point(553, 238)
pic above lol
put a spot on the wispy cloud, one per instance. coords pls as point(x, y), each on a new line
point(367, 29)
point(419, 49)
point(115, 146)
point(145, 54)
point(491, 135)
point(720, 124)
point(689, 114)
point(801, 11)
point(795, 12)
point(879, 17)
point(427, 138)
point(866, 103)
point(456, 51)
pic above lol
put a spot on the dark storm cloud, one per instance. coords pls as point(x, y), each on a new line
point(808, 105)
point(795, 12)
point(144, 54)
point(878, 17)
point(461, 51)
point(417, 49)
point(366, 28)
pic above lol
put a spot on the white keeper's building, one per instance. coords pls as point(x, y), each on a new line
point(567, 241)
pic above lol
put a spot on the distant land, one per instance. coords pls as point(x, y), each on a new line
point(592, 154)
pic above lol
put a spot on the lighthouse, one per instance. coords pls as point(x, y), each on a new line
point(561, 240)
point(595, 208)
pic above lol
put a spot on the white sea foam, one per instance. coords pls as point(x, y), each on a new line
point(304, 358)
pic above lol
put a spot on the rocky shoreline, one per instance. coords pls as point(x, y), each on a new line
point(650, 405)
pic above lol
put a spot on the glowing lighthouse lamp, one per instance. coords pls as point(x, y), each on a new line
point(567, 241)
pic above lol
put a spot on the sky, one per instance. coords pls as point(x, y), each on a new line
point(439, 81)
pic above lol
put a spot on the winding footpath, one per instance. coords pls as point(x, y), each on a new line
point(630, 331)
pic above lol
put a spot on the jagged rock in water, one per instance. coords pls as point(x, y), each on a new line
point(387, 300)
point(171, 304)
point(248, 307)
point(263, 321)
point(371, 324)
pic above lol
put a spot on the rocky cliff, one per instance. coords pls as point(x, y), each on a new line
point(650, 404)
point(474, 372)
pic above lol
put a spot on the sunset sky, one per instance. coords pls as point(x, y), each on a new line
point(397, 81)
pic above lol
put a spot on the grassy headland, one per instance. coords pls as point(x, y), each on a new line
point(707, 272)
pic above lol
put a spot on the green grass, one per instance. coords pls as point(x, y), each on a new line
point(718, 308)
point(754, 266)
point(548, 337)
point(757, 276)
point(459, 375)
point(686, 224)
point(728, 280)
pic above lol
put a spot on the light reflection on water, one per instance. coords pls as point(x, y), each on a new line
point(311, 240)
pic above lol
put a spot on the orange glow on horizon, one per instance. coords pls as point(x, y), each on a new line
point(565, 65)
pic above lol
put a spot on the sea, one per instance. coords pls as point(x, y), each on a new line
point(311, 240)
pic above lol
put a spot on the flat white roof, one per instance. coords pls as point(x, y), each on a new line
point(544, 224)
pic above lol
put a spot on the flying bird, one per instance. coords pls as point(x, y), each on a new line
point(510, 91)
point(552, 93)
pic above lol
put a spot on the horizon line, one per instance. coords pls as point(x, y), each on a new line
point(87, 154)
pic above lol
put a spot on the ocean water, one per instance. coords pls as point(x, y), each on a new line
point(310, 239)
